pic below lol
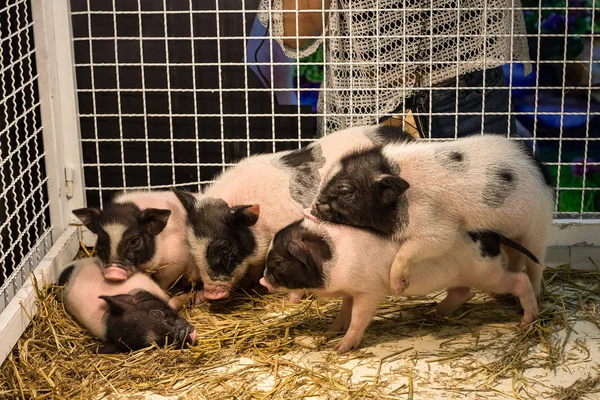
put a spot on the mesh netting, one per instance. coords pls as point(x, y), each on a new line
point(378, 51)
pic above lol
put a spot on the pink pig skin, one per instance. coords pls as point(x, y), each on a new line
point(80, 295)
point(359, 273)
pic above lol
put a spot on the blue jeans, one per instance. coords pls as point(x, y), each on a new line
point(469, 101)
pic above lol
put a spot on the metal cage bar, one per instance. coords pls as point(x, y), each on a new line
point(24, 216)
point(41, 178)
point(196, 95)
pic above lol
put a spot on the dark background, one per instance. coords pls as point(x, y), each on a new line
point(22, 190)
point(178, 45)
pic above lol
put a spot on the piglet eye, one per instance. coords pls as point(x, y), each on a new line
point(347, 195)
point(278, 263)
point(346, 190)
point(135, 241)
point(227, 251)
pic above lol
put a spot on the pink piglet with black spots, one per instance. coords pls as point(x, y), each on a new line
point(231, 224)
point(142, 230)
point(354, 264)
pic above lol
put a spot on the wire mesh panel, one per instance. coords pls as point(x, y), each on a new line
point(170, 92)
point(24, 224)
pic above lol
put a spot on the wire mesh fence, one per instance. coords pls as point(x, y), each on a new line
point(171, 92)
point(24, 223)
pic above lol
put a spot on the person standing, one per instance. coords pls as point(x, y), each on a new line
point(442, 61)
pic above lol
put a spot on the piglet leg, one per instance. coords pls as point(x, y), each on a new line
point(417, 249)
point(342, 322)
point(252, 276)
point(295, 297)
point(455, 298)
point(515, 283)
point(177, 302)
point(363, 309)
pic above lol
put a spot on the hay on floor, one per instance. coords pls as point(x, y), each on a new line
point(257, 345)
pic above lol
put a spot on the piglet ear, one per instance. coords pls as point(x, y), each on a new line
point(299, 251)
point(89, 216)
point(390, 187)
point(158, 314)
point(245, 215)
point(155, 219)
point(120, 303)
point(186, 198)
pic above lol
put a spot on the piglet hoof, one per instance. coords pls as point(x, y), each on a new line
point(346, 345)
point(199, 297)
point(295, 298)
point(439, 312)
point(526, 320)
point(399, 286)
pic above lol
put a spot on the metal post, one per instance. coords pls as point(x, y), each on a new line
point(59, 109)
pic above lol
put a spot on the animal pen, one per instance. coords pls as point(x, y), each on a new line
point(106, 95)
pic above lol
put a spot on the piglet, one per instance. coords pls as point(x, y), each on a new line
point(142, 230)
point(422, 194)
point(341, 261)
point(232, 223)
point(126, 315)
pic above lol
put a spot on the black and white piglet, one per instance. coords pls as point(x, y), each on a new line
point(340, 261)
point(142, 230)
point(422, 194)
point(126, 315)
point(232, 223)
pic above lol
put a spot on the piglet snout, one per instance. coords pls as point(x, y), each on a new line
point(321, 209)
point(266, 284)
point(215, 292)
point(308, 214)
point(193, 336)
point(115, 273)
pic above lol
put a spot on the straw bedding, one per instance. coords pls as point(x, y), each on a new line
point(257, 345)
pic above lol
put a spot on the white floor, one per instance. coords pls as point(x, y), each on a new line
point(477, 354)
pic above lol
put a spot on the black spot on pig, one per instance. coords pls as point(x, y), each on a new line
point(296, 258)
point(135, 321)
point(401, 214)
point(506, 176)
point(367, 193)
point(300, 157)
point(65, 276)
point(538, 165)
point(387, 134)
point(489, 244)
point(452, 160)
point(126, 234)
point(304, 165)
point(501, 182)
point(226, 230)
